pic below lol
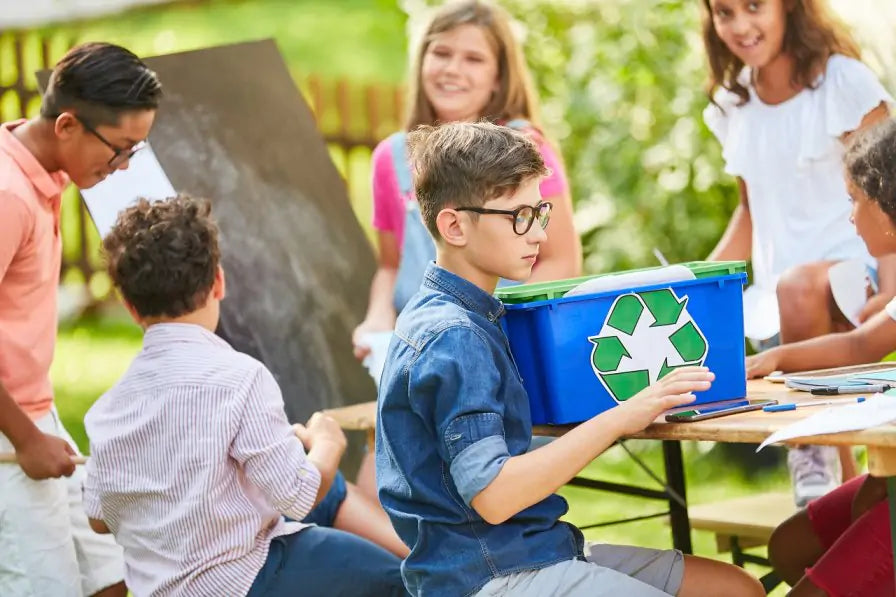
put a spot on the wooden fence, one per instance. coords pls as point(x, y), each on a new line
point(353, 118)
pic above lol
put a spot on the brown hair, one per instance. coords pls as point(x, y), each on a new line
point(515, 97)
point(811, 35)
point(163, 255)
point(871, 164)
point(465, 164)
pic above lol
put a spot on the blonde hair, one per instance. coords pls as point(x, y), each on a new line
point(515, 97)
point(812, 34)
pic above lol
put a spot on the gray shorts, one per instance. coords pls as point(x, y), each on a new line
point(611, 570)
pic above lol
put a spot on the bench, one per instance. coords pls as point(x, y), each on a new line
point(744, 522)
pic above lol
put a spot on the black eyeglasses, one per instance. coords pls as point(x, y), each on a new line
point(119, 155)
point(523, 216)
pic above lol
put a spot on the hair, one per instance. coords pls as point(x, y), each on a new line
point(515, 97)
point(100, 82)
point(466, 164)
point(163, 255)
point(812, 33)
point(871, 164)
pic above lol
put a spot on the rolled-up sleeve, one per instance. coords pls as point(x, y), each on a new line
point(271, 455)
point(456, 370)
point(90, 498)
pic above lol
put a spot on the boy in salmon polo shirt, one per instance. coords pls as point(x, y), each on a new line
point(97, 111)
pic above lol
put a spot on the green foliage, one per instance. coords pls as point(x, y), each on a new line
point(336, 37)
point(621, 84)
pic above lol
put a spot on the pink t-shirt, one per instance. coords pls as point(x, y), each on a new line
point(30, 256)
point(389, 205)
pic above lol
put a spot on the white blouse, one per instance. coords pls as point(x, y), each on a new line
point(790, 157)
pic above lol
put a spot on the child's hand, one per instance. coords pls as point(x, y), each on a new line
point(321, 429)
point(674, 390)
point(368, 326)
point(46, 456)
point(760, 365)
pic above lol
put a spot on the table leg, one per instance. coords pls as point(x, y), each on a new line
point(678, 511)
point(891, 498)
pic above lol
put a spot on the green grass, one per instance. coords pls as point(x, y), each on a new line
point(92, 354)
point(90, 357)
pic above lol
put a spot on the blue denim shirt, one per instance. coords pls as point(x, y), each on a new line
point(452, 410)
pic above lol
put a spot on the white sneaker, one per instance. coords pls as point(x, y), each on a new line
point(814, 471)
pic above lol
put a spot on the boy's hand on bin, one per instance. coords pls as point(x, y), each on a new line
point(676, 389)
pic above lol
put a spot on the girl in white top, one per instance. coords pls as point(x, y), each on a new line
point(788, 88)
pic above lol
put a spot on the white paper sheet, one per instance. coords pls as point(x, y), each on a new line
point(659, 275)
point(143, 178)
point(853, 416)
point(378, 342)
point(761, 318)
point(850, 284)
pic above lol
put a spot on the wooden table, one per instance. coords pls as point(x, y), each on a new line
point(750, 427)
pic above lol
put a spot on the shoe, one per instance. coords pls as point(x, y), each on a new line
point(814, 471)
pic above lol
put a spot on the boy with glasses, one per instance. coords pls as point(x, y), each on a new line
point(97, 111)
point(453, 471)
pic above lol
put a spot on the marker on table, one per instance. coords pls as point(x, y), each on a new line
point(853, 389)
point(775, 408)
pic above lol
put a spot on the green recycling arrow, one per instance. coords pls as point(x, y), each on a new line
point(607, 352)
point(625, 385)
point(666, 368)
point(689, 342)
point(625, 313)
point(664, 306)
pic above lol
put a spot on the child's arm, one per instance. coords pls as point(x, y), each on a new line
point(886, 287)
point(98, 526)
point(380, 315)
point(529, 478)
point(869, 342)
point(90, 499)
point(560, 256)
point(325, 442)
point(872, 491)
point(265, 446)
point(737, 241)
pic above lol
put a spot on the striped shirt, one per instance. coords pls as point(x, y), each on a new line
point(192, 463)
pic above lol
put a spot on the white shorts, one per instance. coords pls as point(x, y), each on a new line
point(47, 547)
point(610, 570)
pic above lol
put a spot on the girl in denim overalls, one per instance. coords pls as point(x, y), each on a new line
point(468, 67)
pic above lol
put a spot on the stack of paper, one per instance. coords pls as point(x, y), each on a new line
point(807, 383)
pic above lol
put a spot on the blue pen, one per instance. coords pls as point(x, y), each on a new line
point(775, 408)
point(853, 389)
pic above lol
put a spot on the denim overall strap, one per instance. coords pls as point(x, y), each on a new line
point(518, 124)
point(417, 248)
